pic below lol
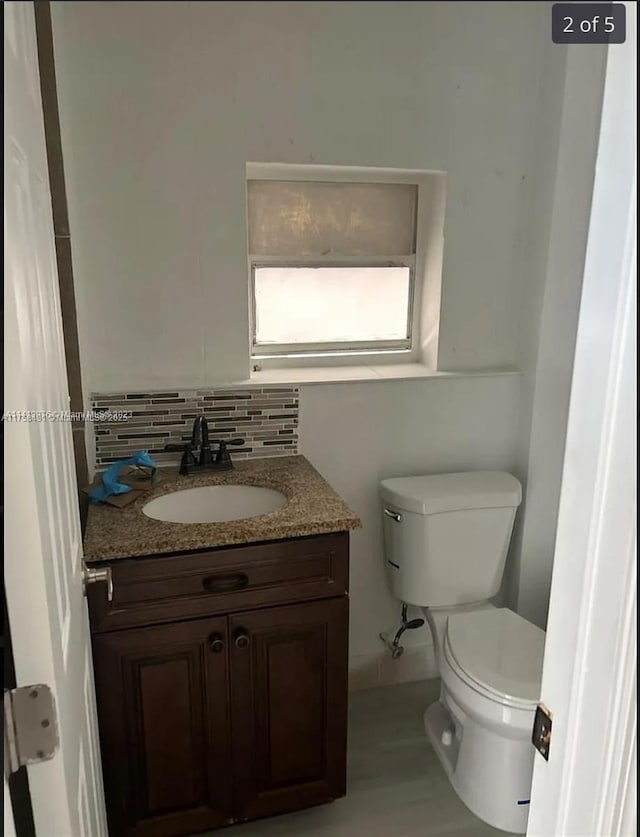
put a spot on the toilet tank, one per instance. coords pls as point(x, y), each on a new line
point(446, 536)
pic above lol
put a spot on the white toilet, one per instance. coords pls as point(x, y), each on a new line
point(446, 539)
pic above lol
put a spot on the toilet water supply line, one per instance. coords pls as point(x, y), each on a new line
point(393, 645)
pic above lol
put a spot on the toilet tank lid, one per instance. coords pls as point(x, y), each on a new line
point(435, 493)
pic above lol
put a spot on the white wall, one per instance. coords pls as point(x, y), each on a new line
point(162, 104)
point(566, 142)
point(359, 434)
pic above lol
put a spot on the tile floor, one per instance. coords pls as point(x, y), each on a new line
point(396, 787)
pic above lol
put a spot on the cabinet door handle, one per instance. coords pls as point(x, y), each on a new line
point(216, 643)
point(225, 583)
point(242, 640)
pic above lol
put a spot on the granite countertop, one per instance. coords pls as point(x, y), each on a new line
point(314, 508)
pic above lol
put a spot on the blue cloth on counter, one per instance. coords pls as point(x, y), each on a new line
point(110, 484)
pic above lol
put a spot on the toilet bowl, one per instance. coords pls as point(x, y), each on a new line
point(490, 662)
point(446, 540)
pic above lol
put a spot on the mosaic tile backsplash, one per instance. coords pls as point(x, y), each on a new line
point(265, 417)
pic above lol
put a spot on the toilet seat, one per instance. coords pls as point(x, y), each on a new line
point(498, 653)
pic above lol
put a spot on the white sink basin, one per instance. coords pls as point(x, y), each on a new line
point(214, 503)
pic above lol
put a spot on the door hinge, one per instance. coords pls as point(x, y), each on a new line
point(30, 726)
point(541, 737)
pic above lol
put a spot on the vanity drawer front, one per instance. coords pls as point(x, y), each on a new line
point(170, 588)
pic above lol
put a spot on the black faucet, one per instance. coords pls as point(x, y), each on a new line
point(205, 447)
point(200, 439)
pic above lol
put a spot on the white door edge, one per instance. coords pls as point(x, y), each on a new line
point(47, 611)
point(9, 829)
point(588, 786)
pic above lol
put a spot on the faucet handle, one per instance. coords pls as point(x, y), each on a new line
point(224, 442)
point(223, 453)
point(187, 455)
point(182, 448)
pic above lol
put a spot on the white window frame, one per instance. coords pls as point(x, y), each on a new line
point(261, 351)
point(424, 277)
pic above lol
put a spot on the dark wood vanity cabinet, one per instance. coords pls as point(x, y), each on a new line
point(229, 715)
point(163, 708)
point(289, 701)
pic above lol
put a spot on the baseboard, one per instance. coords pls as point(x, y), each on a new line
point(367, 671)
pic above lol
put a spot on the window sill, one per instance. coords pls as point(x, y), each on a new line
point(357, 374)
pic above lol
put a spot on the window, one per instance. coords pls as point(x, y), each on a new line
point(333, 266)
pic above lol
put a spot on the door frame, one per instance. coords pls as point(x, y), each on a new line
point(588, 785)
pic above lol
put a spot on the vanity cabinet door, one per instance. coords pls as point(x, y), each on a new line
point(289, 706)
point(164, 722)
